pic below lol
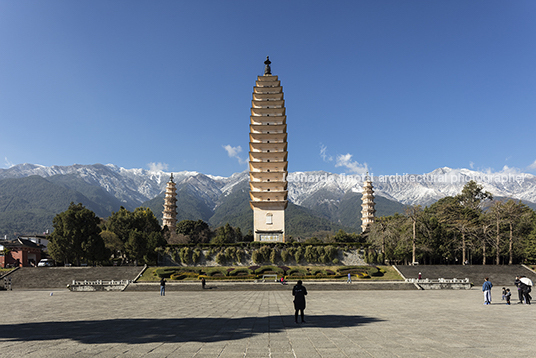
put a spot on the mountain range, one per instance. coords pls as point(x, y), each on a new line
point(31, 195)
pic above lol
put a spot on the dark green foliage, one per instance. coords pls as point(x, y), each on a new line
point(140, 232)
point(76, 237)
point(197, 231)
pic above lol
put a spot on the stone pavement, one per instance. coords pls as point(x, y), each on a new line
point(212, 323)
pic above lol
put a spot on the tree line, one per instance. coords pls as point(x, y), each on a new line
point(79, 236)
point(468, 228)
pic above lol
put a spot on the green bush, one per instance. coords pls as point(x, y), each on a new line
point(265, 270)
point(296, 272)
point(165, 272)
point(215, 271)
point(273, 256)
point(285, 255)
point(241, 271)
point(196, 255)
point(221, 258)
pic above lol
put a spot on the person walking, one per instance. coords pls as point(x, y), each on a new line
point(526, 287)
point(299, 292)
point(203, 283)
point(163, 287)
point(517, 282)
point(349, 280)
point(486, 288)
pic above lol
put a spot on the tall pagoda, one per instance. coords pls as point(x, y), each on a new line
point(367, 205)
point(268, 158)
point(169, 215)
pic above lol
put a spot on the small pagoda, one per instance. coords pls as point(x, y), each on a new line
point(367, 205)
point(169, 215)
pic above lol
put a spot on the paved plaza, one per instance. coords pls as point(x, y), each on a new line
point(447, 323)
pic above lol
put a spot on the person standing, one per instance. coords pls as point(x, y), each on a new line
point(349, 280)
point(299, 292)
point(486, 288)
point(203, 283)
point(507, 296)
point(163, 287)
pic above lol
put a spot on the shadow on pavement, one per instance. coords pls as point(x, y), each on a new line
point(136, 331)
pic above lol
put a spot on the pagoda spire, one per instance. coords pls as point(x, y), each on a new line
point(367, 206)
point(169, 214)
point(267, 68)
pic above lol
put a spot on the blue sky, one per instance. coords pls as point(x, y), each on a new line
point(388, 86)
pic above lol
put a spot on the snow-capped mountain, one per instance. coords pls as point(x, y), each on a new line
point(136, 186)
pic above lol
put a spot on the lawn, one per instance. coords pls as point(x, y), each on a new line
point(389, 273)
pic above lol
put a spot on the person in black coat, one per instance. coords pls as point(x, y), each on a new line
point(517, 282)
point(299, 293)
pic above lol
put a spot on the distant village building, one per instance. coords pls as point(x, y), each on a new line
point(367, 206)
point(268, 158)
point(19, 253)
point(169, 215)
point(37, 239)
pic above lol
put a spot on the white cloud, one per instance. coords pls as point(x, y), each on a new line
point(233, 152)
point(352, 166)
point(157, 167)
point(7, 163)
point(323, 154)
point(533, 165)
point(471, 165)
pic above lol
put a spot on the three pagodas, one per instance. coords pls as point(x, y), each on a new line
point(268, 164)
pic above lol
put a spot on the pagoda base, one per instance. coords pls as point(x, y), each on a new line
point(269, 224)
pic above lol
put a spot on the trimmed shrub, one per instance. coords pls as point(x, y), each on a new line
point(273, 256)
point(196, 255)
point(285, 255)
point(240, 271)
point(265, 270)
point(165, 272)
point(215, 271)
point(220, 258)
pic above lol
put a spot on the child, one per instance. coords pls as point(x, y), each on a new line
point(507, 295)
point(503, 293)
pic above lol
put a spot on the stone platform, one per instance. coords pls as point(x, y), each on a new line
point(212, 323)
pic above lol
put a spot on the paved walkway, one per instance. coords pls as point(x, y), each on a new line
point(260, 324)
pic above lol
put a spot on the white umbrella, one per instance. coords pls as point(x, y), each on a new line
point(527, 281)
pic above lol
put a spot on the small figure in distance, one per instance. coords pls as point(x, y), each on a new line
point(163, 287)
point(486, 288)
point(203, 283)
point(420, 276)
point(283, 282)
point(349, 280)
point(299, 292)
point(503, 293)
point(507, 296)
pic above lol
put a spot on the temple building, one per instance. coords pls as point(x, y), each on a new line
point(367, 206)
point(268, 158)
point(169, 215)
